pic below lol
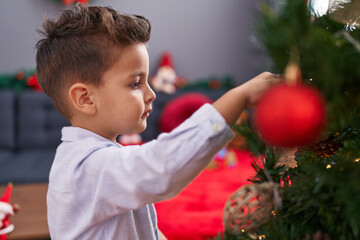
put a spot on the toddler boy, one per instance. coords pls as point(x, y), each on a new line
point(94, 65)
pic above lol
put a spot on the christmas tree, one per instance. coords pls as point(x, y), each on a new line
point(312, 190)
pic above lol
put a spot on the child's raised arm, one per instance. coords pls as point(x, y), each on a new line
point(232, 103)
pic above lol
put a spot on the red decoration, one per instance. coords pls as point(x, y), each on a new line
point(290, 115)
point(181, 108)
point(6, 210)
point(20, 75)
point(166, 60)
point(69, 2)
point(33, 82)
point(166, 80)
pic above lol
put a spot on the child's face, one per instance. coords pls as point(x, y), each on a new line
point(124, 98)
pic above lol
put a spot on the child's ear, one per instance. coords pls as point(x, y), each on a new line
point(81, 98)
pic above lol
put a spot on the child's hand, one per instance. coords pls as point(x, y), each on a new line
point(255, 87)
point(232, 103)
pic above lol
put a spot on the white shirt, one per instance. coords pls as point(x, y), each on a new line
point(99, 189)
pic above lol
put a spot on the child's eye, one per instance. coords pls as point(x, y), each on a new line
point(135, 84)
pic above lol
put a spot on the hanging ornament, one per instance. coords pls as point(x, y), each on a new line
point(249, 207)
point(286, 157)
point(290, 114)
point(325, 148)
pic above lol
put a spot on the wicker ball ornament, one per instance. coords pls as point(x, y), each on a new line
point(249, 207)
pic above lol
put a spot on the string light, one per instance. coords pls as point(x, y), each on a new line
point(261, 236)
point(328, 166)
point(357, 160)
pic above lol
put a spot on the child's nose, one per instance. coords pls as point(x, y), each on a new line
point(150, 95)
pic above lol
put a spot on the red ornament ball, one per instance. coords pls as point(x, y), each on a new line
point(290, 115)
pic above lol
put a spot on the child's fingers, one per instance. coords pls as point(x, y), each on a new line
point(278, 78)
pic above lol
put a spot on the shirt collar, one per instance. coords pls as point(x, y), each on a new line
point(71, 134)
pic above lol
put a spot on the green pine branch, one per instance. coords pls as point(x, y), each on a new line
point(323, 192)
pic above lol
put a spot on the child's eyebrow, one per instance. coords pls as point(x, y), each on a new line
point(138, 73)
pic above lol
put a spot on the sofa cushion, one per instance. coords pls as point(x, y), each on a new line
point(27, 166)
point(7, 119)
point(39, 122)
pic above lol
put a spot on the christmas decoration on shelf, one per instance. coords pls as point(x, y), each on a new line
point(70, 2)
point(211, 82)
point(20, 80)
point(6, 210)
point(318, 180)
point(33, 83)
point(166, 79)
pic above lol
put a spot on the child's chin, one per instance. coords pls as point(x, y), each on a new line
point(141, 129)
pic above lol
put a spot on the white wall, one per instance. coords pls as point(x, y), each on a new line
point(205, 37)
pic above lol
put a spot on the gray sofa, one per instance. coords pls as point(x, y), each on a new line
point(30, 132)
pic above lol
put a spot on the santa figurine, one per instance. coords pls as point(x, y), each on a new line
point(166, 79)
point(6, 209)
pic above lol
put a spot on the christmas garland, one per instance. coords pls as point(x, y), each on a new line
point(20, 80)
point(212, 82)
point(71, 2)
